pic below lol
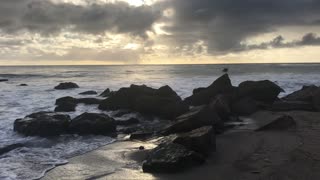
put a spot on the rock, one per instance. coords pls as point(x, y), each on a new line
point(66, 85)
point(89, 101)
point(92, 123)
point(316, 100)
point(283, 122)
point(23, 85)
point(140, 135)
point(121, 113)
point(88, 93)
point(205, 95)
point(221, 105)
point(304, 94)
point(163, 102)
point(42, 124)
point(66, 99)
point(171, 158)
point(197, 90)
point(10, 147)
point(127, 122)
point(66, 107)
point(195, 118)
point(106, 93)
point(245, 106)
point(264, 91)
point(4, 80)
point(292, 106)
point(201, 140)
point(141, 148)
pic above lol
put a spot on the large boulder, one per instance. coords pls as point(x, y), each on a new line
point(195, 118)
point(66, 85)
point(292, 106)
point(283, 122)
point(222, 105)
point(68, 104)
point(205, 95)
point(245, 106)
point(171, 158)
point(163, 102)
point(201, 140)
point(42, 124)
point(264, 91)
point(92, 123)
point(304, 94)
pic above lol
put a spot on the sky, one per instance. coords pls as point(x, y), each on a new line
point(80, 32)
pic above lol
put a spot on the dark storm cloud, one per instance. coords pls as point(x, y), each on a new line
point(225, 24)
point(45, 17)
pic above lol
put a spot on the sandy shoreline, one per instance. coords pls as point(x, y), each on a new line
point(242, 154)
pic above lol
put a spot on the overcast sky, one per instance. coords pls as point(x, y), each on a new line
point(158, 31)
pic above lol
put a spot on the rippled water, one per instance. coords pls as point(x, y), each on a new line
point(41, 154)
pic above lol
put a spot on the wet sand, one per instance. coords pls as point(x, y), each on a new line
point(241, 155)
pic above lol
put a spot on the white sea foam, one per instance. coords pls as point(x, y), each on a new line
point(41, 154)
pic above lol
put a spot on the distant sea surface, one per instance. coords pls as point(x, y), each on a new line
point(40, 154)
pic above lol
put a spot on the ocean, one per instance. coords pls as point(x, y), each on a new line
point(41, 154)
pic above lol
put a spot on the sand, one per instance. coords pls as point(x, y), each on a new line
point(241, 154)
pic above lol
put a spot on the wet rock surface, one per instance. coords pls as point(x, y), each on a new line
point(88, 93)
point(66, 85)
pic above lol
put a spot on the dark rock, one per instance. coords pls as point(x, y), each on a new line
point(23, 85)
point(121, 113)
point(204, 96)
point(4, 80)
point(201, 140)
point(264, 91)
point(10, 147)
point(222, 105)
point(89, 101)
point(171, 158)
point(66, 85)
point(66, 107)
point(197, 90)
point(280, 123)
point(88, 93)
point(92, 123)
point(106, 93)
point(127, 122)
point(316, 100)
point(42, 124)
point(141, 148)
point(292, 106)
point(304, 94)
point(163, 102)
point(195, 118)
point(66, 99)
point(245, 106)
point(140, 135)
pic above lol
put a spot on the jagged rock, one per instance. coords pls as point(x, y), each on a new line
point(264, 91)
point(205, 95)
point(4, 80)
point(10, 147)
point(201, 140)
point(88, 93)
point(42, 124)
point(92, 123)
point(66, 85)
point(127, 122)
point(304, 94)
point(245, 106)
point(163, 102)
point(195, 118)
point(106, 93)
point(222, 105)
point(283, 122)
point(171, 158)
point(292, 106)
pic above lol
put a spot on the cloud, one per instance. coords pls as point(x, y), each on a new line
point(46, 17)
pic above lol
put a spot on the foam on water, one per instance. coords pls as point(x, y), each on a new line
point(40, 154)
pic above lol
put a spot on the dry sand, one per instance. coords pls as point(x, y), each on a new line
point(241, 155)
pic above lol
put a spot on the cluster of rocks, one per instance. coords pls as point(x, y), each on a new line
point(194, 121)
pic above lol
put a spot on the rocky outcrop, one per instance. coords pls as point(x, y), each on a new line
point(222, 105)
point(283, 122)
point(195, 118)
point(171, 158)
point(128, 122)
point(88, 93)
point(42, 124)
point(264, 91)
point(66, 85)
point(92, 123)
point(304, 94)
point(68, 104)
point(201, 140)
point(106, 93)
point(205, 95)
point(162, 102)
point(292, 106)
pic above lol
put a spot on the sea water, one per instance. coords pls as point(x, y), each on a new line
point(41, 154)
